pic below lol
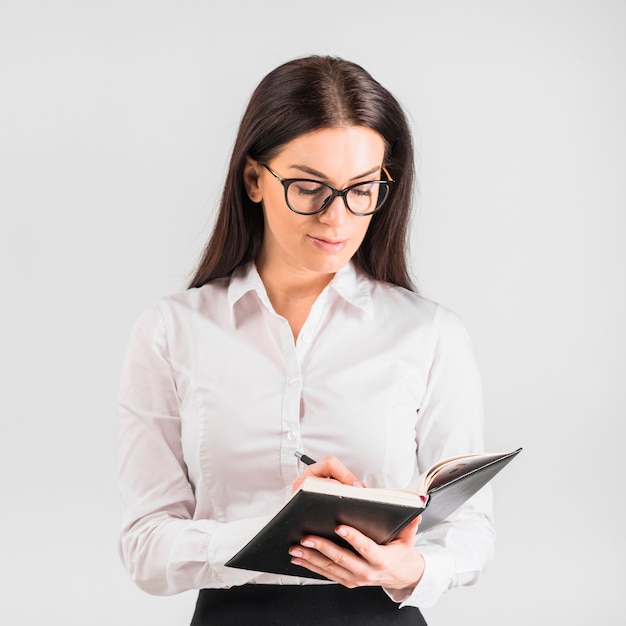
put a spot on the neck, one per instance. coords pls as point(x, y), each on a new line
point(292, 293)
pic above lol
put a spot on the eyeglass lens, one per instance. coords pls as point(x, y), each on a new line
point(307, 196)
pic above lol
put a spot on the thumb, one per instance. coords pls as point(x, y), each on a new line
point(407, 534)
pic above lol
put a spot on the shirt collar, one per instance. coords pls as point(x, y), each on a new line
point(349, 283)
point(243, 280)
point(354, 287)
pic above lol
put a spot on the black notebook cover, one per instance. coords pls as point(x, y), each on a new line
point(310, 513)
point(444, 500)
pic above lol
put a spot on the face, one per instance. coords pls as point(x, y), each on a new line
point(322, 243)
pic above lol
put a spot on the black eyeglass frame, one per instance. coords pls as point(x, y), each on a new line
point(286, 182)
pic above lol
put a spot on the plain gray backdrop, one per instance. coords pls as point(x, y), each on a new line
point(116, 122)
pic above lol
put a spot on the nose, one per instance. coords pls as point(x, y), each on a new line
point(335, 213)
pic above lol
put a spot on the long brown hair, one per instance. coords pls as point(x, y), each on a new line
point(298, 97)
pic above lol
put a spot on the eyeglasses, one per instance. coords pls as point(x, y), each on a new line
point(308, 197)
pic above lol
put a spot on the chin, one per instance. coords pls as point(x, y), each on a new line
point(328, 266)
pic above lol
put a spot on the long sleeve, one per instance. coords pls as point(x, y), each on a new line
point(216, 397)
point(163, 548)
point(451, 423)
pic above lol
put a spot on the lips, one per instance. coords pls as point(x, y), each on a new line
point(329, 245)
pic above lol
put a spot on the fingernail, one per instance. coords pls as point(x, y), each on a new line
point(342, 532)
point(307, 544)
point(356, 483)
point(295, 552)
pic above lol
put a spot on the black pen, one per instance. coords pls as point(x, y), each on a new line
point(304, 458)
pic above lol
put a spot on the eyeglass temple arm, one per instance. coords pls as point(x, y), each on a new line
point(387, 174)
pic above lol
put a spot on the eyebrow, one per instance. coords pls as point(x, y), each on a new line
point(312, 172)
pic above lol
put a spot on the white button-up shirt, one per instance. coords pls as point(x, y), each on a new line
point(216, 397)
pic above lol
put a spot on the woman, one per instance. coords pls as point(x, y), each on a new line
point(300, 331)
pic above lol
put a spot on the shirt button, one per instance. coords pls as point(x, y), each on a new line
point(294, 382)
point(306, 337)
point(291, 435)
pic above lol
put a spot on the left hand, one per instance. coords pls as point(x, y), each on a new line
point(396, 565)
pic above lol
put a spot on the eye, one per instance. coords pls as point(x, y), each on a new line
point(364, 191)
point(308, 188)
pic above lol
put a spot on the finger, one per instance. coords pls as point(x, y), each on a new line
point(365, 547)
point(332, 467)
point(327, 570)
point(326, 558)
point(344, 563)
point(396, 564)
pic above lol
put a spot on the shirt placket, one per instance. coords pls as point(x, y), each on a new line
point(295, 355)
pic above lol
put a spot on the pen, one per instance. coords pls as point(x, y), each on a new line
point(304, 458)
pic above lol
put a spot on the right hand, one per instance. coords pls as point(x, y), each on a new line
point(329, 467)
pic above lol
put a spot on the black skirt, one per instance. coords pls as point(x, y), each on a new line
point(301, 605)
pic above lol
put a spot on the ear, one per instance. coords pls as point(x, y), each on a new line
point(251, 174)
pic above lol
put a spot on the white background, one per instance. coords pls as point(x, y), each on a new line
point(116, 121)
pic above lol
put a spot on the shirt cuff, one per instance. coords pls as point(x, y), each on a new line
point(435, 581)
point(225, 542)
